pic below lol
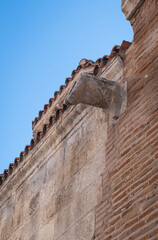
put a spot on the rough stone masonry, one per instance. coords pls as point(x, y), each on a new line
point(91, 169)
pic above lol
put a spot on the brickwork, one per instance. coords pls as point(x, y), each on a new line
point(129, 206)
point(85, 176)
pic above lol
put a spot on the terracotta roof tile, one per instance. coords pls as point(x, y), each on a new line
point(98, 60)
point(38, 137)
point(84, 63)
point(45, 108)
point(67, 80)
point(1, 178)
point(62, 88)
point(50, 101)
point(11, 166)
point(16, 162)
point(56, 93)
point(6, 173)
point(32, 143)
point(114, 51)
point(79, 67)
point(27, 148)
point(73, 73)
point(40, 114)
point(21, 156)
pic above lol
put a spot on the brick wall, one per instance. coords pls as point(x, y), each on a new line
point(129, 206)
point(86, 178)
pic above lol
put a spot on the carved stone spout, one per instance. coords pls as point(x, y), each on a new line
point(98, 92)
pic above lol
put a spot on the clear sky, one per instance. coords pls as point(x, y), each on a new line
point(41, 42)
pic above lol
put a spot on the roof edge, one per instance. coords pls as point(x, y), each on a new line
point(59, 109)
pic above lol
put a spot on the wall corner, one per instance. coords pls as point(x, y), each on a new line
point(129, 7)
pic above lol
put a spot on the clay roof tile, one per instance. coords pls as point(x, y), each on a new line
point(11, 166)
point(100, 62)
point(40, 114)
point(67, 80)
point(6, 173)
point(79, 67)
point(1, 179)
point(16, 162)
point(45, 108)
point(73, 73)
point(116, 48)
point(21, 156)
point(82, 61)
point(38, 137)
point(56, 93)
point(32, 143)
point(27, 147)
point(50, 101)
point(62, 88)
point(105, 58)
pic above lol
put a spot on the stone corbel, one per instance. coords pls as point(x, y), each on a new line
point(99, 92)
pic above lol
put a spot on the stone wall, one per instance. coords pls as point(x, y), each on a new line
point(89, 177)
point(57, 195)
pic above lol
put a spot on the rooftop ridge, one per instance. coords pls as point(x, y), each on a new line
point(84, 63)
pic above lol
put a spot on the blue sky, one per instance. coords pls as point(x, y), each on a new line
point(41, 42)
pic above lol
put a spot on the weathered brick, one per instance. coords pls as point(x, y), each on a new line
point(109, 230)
point(124, 234)
point(153, 233)
point(130, 213)
point(152, 130)
point(144, 238)
point(145, 213)
point(137, 226)
point(100, 178)
point(129, 224)
point(152, 216)
point(143, 230)
point(108, 238)
point(155, 178)
point(113, 221)
point(120, 197)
